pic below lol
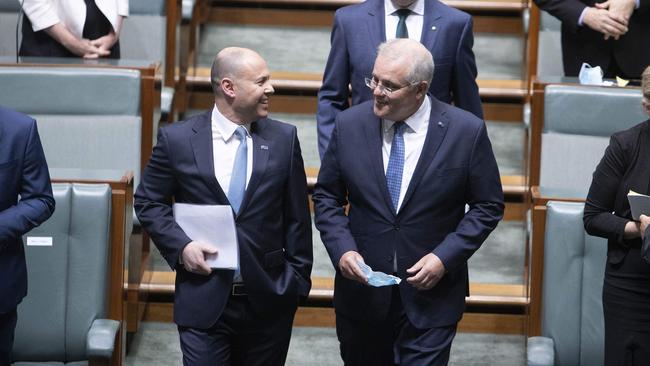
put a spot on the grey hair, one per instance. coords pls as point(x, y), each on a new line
point(418, 57)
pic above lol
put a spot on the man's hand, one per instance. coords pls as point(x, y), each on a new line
point(427, 272)
point(645, 221)
point(349, 267)
point(194, 257)
point(622, 9)
point(604, 21)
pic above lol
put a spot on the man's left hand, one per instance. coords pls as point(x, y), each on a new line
point(426, 272)
point(620, 8)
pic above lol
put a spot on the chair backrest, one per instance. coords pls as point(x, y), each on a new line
point(578, 121)
point(574, 267)
point(67, 280)
point(88, 118)
point(549, 48)
point(9, 10)
point(144, 32)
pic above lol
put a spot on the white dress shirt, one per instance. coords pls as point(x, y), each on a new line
point(224, 148)
point(414, 135)
point(414, 22)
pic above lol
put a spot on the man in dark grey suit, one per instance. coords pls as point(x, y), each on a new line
point(233, 155)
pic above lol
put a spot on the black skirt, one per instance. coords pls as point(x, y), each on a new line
point(40, 44)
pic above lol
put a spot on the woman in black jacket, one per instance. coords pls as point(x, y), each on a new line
point(626, 288)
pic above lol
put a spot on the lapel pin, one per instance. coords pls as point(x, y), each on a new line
point(441, 124)
point(433, 27)
point(264, 147)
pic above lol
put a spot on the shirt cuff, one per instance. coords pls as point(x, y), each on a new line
point(584, 12)
point(638, 3)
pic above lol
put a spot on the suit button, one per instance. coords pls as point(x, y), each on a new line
point(396, 227)
point(390, 258)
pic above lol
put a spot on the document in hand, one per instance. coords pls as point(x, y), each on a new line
point(213, 224)
point(639, 204)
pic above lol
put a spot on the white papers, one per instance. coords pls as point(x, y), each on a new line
point(212, 224)
point(639, 204)
point(39, 241)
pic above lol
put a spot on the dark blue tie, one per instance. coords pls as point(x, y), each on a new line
point(396, 163)
point(402, 31)
point(238, 178)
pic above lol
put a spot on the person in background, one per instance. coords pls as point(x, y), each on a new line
point(26, 201)
point(73, 28)
point(626, 288)
point(612, 34)
point(358, 30)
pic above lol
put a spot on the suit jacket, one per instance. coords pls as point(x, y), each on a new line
point(456, 167)
point(624, 167)
point(359, 29)
point(23, 171)
point(582, 44)
point(273, 223)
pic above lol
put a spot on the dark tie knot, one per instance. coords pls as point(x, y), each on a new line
point(403, 13)
point(399, 127)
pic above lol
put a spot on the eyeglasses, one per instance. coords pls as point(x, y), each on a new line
point(372, 84)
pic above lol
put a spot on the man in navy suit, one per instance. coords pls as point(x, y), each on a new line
point(407, 164)
point(611, 34)
point(23, 172)
point(233, 155)
point(360, 28)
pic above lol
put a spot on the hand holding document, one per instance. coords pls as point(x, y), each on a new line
point(639, 204)
point(213, 224)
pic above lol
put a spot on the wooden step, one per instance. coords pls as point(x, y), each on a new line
point(496, 16)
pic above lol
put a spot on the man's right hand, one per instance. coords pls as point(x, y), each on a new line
point(194, 257)
point(349, 267)
point(608, 23)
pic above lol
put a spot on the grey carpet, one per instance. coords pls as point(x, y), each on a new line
point(157, 344)
point(305, 49)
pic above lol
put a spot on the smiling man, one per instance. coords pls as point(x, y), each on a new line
point(233, 155)
point(407, 164)
point(358, 30)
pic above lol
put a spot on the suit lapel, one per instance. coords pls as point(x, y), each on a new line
point(376, 24)
point(431, 24)
point(260, 158)
point(438, 125)
point(374, 141)
point(202, 147)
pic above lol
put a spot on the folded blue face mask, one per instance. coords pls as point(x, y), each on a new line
point(378, 279)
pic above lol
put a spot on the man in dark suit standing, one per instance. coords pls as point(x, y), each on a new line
point(23, 172)
point(233, 155)
point(408, 164)
point(612, 34)
point(358, 30)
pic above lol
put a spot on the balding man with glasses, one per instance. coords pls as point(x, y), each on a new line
point(407, 164)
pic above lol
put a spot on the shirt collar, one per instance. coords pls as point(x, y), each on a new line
point(417, 7)
point(224, 127)
point(417, 121)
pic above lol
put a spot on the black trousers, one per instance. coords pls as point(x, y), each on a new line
point(7, 328)
point(40, 44)
point(240, 337)
point(626, 306)
point(393, 342)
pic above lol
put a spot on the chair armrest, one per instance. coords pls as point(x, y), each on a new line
point(540, 352)
point(100, 341)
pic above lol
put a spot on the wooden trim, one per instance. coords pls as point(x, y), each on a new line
point(515, 211)
point(536, 270)
point(532, 45)
point(536, 127)
point(466, 5)
point(503, 112)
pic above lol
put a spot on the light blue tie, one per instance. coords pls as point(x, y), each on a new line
point(238, 178)
point(396, 163)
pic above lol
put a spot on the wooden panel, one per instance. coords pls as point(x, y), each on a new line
point(536, 258)
point(467, 5)
point(515, 211)
point(503, 112)
point(325, 317)
point(294, 104)
point(275, 17)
